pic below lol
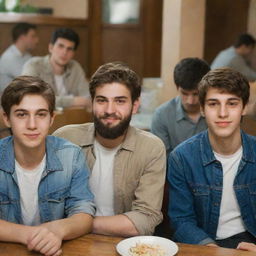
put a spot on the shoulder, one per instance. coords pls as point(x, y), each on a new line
point(60, 143)
point(76, 133)
point(36, 60)
point(144, 140)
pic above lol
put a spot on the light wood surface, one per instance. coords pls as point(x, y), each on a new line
point(96, 245)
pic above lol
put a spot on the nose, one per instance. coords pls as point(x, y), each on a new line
point(110, 108)
point(192, 99)
point(223, 112)
point(31, 123)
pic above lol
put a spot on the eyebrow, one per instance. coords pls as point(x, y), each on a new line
point(25, 110)
point(117, 97)
point(214, 99)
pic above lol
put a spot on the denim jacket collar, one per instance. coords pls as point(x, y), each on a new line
point(207, 153)
point(7, 159)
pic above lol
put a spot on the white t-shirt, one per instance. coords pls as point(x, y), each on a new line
point(101, 179)
point(59, 81)
point(230, 220)
point(28, 181)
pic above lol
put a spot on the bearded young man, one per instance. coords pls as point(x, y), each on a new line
point(127, 164)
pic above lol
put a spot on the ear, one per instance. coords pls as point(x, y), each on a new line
point(245, 110)
point(52, 118)
point(6, 120)
point(202, 111)
point(136, 105)
point(50, 46)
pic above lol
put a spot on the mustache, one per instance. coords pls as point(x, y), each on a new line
point(106, 115)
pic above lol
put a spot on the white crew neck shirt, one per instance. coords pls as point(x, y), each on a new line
point(230, 220)
point(101, 179)
point(59, 81)
point(28, 181)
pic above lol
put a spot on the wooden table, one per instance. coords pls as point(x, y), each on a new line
point(95, 245)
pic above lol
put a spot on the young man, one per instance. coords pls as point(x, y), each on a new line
point(44, 194)
point(25, 39)
point(127, 164)
point(58, 69)
point(212, 175)
point(180, 118)
point(236, 56)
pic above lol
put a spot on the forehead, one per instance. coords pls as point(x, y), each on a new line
point(31, 102)
point(64, 42)
point(188, 91)
point(218, 94)
point(112, 90)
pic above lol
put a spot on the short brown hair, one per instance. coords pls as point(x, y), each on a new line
point(23, 85)
point(226, 80)
point(116, 72)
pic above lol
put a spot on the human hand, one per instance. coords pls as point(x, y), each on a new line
point(41, 239)
point(247, 247)
point(212, 245)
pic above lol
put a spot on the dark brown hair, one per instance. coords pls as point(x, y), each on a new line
point(23, 85)
point(226, 80)
point(116, 72)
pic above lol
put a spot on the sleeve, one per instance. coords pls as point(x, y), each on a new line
point(159, 128)
point(30, 69)
point(146, 208)
point(80, 198)
point(181, 210)
point(240, 65)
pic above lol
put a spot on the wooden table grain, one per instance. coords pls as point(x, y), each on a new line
point(96, 245)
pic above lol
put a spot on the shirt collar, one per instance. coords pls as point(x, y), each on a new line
point(128, 143)
point(249, 154)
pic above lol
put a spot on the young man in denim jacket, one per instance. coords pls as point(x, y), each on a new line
point(44, 194)
point(212, 175)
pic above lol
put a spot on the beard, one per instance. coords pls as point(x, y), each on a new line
point(111, 132)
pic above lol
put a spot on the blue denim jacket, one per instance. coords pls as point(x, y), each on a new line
point(63, 189)
point(196, 179)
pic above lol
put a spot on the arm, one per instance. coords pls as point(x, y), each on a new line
point(72, 227)
point(159, 128)
point(36, 238)
point(181, 205)
point(247, 247)
point(118, 225)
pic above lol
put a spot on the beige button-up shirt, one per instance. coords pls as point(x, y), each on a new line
point(74, 78)
point(139, 173)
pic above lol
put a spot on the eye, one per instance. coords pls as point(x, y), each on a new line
point(100, 100)
point(233, 103)
point(212, 104)
point(21, 115)
point(42, 114)
point(120, 101)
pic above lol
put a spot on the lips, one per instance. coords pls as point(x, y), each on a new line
point(32, 136)
point(223, 123)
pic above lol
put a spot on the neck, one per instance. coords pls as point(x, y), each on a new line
point(225, 146)
point(57, 69)
point(239, 51)
point(21, 47)
point(29, 159)
point(194, 116)
point(110, 143)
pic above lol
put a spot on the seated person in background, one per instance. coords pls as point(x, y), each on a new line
point(127, 164)
point(178, 119)
point(13, 58)
point(44, 194)
point(212, 175)
point(58, 69)
point(236, 56)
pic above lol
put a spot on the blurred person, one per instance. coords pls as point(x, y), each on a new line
point(127, 164)
point(237, 56)
point(179, 118)
point(44, 190)
point(25, 39)
point(61, 71)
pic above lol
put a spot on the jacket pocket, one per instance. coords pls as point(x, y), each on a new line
point(4, 206)
point(58, 196)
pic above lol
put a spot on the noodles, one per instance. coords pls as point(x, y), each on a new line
point(142, 249)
